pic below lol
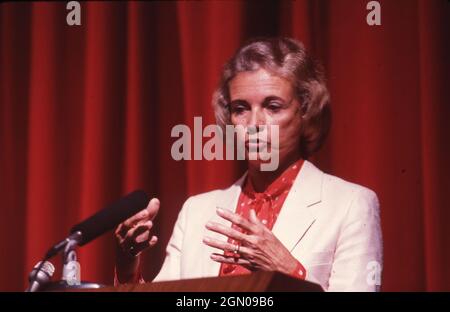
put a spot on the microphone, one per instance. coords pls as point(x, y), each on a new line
point(40, 275)
point(103, 221)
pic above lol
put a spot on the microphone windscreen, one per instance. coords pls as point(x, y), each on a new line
point(47, 267)
point(111, 216)
point(40, 275)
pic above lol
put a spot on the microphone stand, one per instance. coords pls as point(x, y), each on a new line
point(71, 272)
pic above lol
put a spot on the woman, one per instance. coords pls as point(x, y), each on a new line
point(296, 220)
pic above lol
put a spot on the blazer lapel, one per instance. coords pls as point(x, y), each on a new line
point(228, 200)
point(296, 217)
point(294, 220)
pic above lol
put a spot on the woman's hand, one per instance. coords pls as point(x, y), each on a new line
point(132, 237)
point(259, 248)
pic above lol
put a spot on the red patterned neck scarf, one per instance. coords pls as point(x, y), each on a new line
point(267, 206)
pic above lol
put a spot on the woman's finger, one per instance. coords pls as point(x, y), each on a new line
point(141, 246)
point(119, 232)
point(237, 220)
point(218, 244)
point(254, 219)
point(149, 213)
point(132, 234)
point(153, 208)
point(229, 260)
point(143, 237)
point(152, 242)
point(132, 221)
point(226, 230)
point(236, 250)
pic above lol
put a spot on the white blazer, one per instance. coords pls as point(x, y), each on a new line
point(331, 226)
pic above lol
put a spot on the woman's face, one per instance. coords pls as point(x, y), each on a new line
point(260, 98)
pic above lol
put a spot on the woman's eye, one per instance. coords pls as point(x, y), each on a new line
point(237, 109)
point(274, 106)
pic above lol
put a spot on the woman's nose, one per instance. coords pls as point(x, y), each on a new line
point(257, 118)
point(256, 121)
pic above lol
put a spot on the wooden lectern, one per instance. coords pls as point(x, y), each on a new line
point(256, 282)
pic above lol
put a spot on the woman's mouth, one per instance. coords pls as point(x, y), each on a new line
point(255, 144)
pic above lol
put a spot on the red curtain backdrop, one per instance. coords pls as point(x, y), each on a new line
point(86, 114)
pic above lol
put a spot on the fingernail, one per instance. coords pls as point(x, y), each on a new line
point(220, 210)
point(209, 224)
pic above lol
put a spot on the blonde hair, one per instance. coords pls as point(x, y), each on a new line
point(286, 58)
